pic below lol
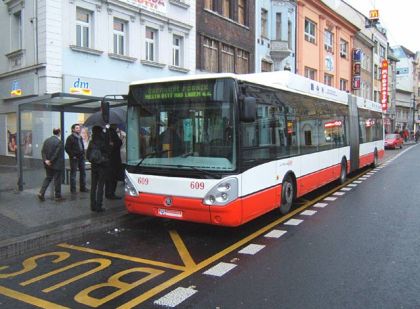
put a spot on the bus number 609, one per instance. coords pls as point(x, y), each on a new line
point(197, 185)
point(143, 181)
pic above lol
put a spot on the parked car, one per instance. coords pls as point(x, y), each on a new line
point(392, 141)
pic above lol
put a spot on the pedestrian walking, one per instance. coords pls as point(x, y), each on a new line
point(76, 151)
point(115, 165)
point(98, 155)
point(52, 157)
point(417, 135)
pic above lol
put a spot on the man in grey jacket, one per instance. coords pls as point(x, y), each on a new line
point(53, 159)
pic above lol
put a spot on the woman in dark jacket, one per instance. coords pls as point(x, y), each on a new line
point(98, 154)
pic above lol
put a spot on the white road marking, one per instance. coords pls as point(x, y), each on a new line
point(308, 212)
point(219, 269)
point(275, 234)
point(346, 189)
point(293, 222)
point(357, 181)
point(320, 205)
point(362, 178)
point(352, 185)
point(251, 249)
point(339, 193)
point(330, 198)
point(175, 297)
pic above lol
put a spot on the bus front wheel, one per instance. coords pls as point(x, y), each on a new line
point(287, 195)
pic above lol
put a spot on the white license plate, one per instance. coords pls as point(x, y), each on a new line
point(170, 213)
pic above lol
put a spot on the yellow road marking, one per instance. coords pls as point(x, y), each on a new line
point(182, 250)
point(189, 271)
point(123, 257)
point(29, 299)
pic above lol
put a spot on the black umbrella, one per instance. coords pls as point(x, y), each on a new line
point(117, 115)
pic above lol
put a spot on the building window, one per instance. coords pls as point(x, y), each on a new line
point(266, 66)
point(210, 55)
point(177, 51)
point(328, 41)
point(343, 84)
point(310, 30)
point(278, 26)
point(83, 27)
point(228, 59)
point(382, 51)
point(289, 34)
point(120, 28)
point(264, 15)
point(226, 9)
point(328, 79)
point(242, 61)
point(209, 4)
point(16, 31)
point(241, 11)
point(310, 73)
point(151, 39)
point(375, 47)
point(375, 72)
point(344, 47)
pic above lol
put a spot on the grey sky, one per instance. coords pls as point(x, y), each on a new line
point(400, 18)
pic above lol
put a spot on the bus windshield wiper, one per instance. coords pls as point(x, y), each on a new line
point(215, 176)
point(153, 153)
point(187, 154)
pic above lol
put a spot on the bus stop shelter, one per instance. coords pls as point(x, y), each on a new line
point(61, 103)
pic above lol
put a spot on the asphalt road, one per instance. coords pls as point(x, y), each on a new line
point(358, 251)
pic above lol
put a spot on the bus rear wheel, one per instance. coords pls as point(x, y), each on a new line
point(343, 172)
point(287, 195)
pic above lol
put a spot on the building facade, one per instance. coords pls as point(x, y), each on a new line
point(225, 39)
point(405, 100)
point(324, 43)
point(275, 44)
point(88, 47)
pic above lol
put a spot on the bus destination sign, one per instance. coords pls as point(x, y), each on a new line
point(180, 91)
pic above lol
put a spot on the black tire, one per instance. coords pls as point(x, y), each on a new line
point(287, 195)
point(343, 172)
point(375, 162)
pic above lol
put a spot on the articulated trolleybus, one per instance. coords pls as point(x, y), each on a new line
point(224, 149)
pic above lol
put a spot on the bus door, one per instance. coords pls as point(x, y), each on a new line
point(354, 134)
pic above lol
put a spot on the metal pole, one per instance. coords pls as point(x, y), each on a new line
point(414, 110)
point(18, 149)
point(63, 168)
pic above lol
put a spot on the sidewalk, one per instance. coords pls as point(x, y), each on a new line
point(26, 223)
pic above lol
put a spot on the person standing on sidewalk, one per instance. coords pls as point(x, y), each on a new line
point(115, 166)
point(76, 151)
point(52, 157)
point(98, 154)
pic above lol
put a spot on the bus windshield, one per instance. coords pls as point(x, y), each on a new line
point(184, 125)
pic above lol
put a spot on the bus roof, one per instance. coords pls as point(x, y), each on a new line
point(283, 80)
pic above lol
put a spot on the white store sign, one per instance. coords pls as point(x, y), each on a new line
point(158, 6)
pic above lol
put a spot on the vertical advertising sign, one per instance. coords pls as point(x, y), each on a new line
point(384, 85)
point(356, 68)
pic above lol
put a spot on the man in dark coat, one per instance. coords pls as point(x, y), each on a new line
point(52, 156)
point(76, 151)
point(99, 169)
point(115, 164)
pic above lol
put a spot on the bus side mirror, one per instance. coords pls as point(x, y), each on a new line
point(249, 109)
point(105, 111)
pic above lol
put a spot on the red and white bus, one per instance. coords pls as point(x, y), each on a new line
point(224, 149)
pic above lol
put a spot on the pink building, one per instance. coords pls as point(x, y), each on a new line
point(324, 44)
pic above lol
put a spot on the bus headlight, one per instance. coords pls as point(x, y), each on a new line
point(222, 193)
point(129, 187)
